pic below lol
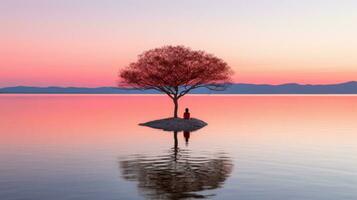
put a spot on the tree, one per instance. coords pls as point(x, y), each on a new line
point(175, 71)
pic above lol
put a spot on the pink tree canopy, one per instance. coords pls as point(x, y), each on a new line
point(175, 71)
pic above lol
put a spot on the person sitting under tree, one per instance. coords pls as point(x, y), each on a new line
point(186, 115)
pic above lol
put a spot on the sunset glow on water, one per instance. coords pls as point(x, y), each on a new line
point(178, 100)
point(266, 147)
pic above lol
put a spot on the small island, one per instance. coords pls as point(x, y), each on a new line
point(176, 124)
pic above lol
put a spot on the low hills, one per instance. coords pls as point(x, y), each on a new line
point(238, 88)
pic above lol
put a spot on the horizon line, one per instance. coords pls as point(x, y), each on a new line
point(288, 83)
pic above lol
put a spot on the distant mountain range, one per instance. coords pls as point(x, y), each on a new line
point(238, 88)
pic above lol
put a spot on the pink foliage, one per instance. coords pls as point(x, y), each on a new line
point(175, 70)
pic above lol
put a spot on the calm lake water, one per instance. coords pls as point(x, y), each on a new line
point(254, 147)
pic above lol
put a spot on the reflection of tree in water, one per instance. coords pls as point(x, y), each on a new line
point(178, 174)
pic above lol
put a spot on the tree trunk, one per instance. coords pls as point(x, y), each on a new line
point(176, 107)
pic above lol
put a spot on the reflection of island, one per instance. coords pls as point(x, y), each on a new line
point(178, 174)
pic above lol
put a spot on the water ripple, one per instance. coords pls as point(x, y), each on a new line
point(177, 174)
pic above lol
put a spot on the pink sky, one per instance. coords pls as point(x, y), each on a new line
point(85, 43)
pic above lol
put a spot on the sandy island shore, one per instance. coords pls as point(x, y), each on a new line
point(176, 124)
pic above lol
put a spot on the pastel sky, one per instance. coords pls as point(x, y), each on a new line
point(85, 42)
